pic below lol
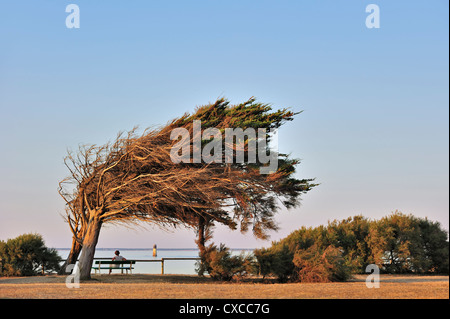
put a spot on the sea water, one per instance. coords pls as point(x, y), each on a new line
point(184, 267)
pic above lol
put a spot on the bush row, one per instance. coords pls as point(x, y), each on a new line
point(27, 255)
point(397, 243)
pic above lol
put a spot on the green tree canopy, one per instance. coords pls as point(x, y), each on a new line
point(27, 255)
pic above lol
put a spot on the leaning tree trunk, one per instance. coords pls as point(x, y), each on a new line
point(72, 258)
point(201, 235)
point(89, 243)
point(200, 241)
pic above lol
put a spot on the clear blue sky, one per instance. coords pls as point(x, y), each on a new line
point(374, 131)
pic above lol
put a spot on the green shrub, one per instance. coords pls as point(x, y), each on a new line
point(275, 261)
point(320, 265)
point(435, 246)
point(220, 264)
point(25, 255)
point(312, 264)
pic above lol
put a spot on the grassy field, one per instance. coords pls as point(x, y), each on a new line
point(191, 287)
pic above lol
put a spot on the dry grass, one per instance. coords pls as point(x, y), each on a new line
point(191, 287)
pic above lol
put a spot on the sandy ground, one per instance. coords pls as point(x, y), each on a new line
point(139, 286)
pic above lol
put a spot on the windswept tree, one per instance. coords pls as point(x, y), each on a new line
point(253, 201)
point(135, 178)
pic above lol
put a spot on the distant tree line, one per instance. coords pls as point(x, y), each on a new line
point(397, 243)
point(27, 255)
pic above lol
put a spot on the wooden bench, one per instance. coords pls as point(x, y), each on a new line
point(114, 264)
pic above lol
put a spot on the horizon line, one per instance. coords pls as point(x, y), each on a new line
point(150, 248)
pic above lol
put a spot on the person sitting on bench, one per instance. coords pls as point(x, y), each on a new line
point(117, 257)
